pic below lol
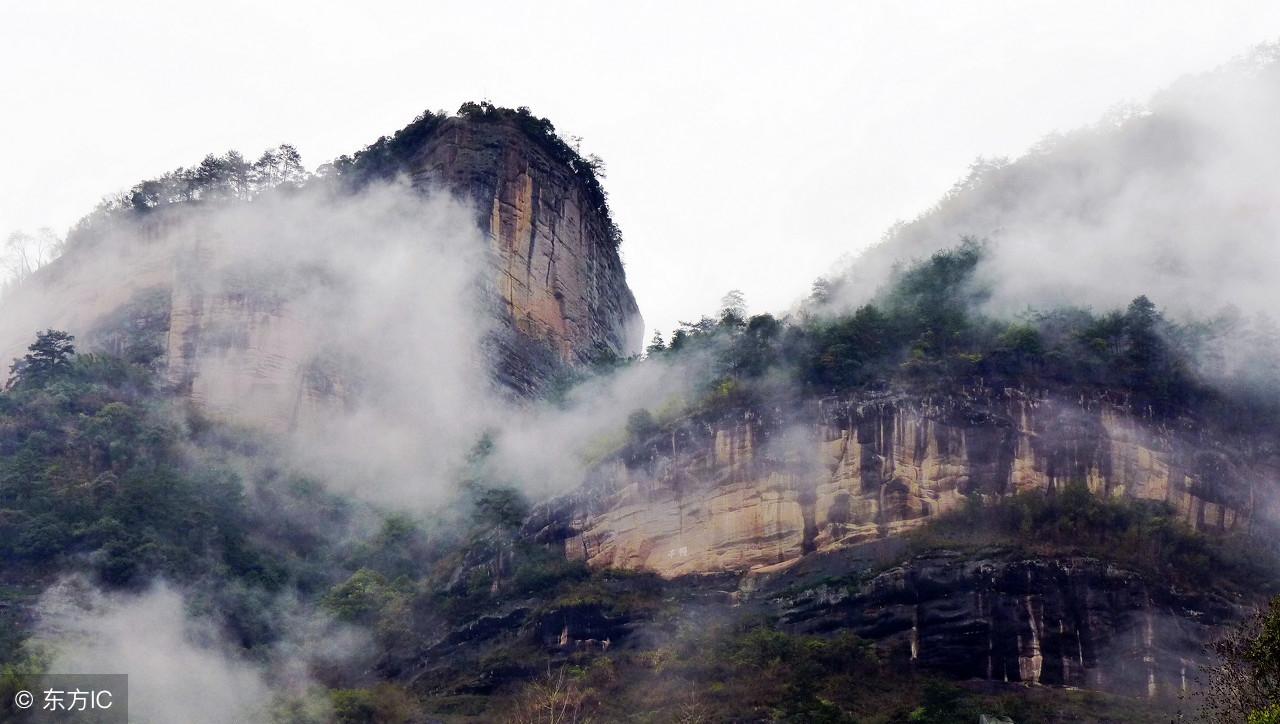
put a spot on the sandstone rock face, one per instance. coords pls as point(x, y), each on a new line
point(791, 503)
point(557, 273)
point(556, 285)
point(240, 353)
point(755, 494)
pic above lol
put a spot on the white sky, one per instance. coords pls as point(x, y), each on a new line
point(749, 145)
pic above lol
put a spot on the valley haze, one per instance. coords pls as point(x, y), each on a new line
point(390, 438)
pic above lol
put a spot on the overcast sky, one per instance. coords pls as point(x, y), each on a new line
point(749, 145)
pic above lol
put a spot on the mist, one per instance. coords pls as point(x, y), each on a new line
point(355, 325)
point(352, 327)
point(178, 668)
point(1173, 199)
point(344, 341)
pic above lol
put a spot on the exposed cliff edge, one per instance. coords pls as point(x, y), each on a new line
point(760, 492)
point(807, 509)
point(555, 285)
point(557, 271)
point(790, 486)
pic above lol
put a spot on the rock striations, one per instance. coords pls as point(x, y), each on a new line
point(556, 285)
point(806, 510)
point(756, 494)
point(557, 271)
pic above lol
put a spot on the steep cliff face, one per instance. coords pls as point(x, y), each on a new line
point(1064, 621)
point(758, 493)
point(555, 285)
point(557, 273)
point(807, 509)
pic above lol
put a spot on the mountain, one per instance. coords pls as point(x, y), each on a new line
point(558, 274)
point(139, 282)
point(376, 443)
point(1167, 198)
point(838, 487)
point(760, 492)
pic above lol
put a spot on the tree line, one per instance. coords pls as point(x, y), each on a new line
point(927, 330)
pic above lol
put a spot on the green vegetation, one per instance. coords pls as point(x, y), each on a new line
point(47, 358)
point(232, 177)
point(1244, 679)
point(742, 670)
point(926, 331)
point(387, 157)
point(381, 704)
point(587, 170)
point(101, 474)
point(87, 472)
point(1148, 535)
point(229, 177)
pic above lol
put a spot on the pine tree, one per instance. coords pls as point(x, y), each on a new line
point(656, 345)
point(49, 356)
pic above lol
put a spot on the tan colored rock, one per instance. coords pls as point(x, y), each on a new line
point(557, 282)
point(557, 271)
point(730, 500)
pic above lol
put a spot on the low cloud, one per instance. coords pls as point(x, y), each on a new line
point(178, 668)
point(1174, 200)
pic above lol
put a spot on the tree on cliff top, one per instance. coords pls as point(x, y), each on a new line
point(656, 345)
point(588, 170)
point(49, 356)
point(733, 308)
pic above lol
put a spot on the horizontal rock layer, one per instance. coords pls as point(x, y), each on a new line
point(1069, 621)
point(755, 493)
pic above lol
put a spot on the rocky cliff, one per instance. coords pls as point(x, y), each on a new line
point(557, 272)
point(759, 492)
point(806, 510)
point(1060, 620)
point(555, 283)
